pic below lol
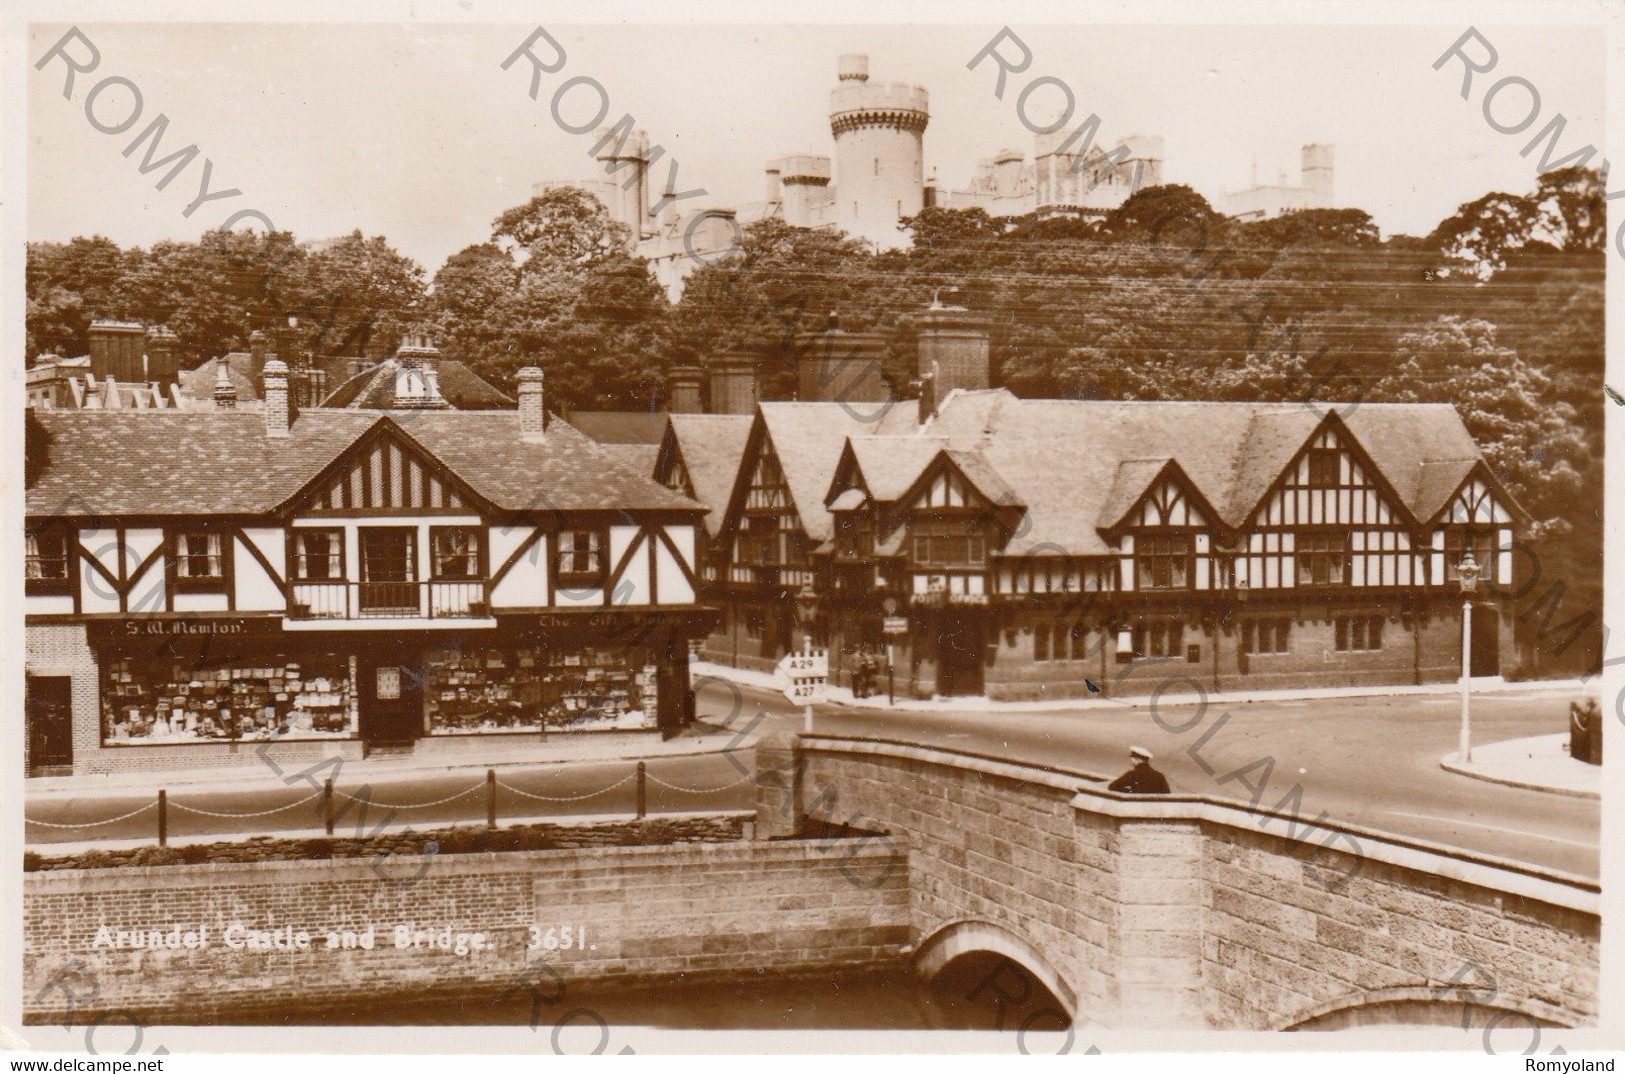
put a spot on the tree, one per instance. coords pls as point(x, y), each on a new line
point(358, 296)
point(565, 224)
point(71, 284)
point(1484, 232)
point(1572, 209)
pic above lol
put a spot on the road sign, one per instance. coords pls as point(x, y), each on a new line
point(895, 624)
point(808, 675)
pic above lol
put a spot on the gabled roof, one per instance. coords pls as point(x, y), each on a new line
point(891, 464)
point(1136, 478)
point(220, 462)
point(809, 438)
point(712, 447)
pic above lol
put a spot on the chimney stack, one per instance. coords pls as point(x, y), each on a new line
point(532, 417)
point(225, 393)
point(259, 349)
point(837, 366)
point(733, 384)
point(278, 407)
point(116, 348)
point(684, 393)
point(928, 396)
point(953, 348)
point(163, 365)
point(417, 375)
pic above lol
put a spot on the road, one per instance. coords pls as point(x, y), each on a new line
point(1372, 762)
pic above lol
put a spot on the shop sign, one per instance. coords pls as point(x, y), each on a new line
point(895, 624)
point(241, 626)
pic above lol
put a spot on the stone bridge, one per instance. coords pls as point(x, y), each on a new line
point(1188, 911)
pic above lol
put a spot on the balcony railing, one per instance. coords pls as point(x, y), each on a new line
point(390, 600)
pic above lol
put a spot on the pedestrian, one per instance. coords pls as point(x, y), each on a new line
point(1141, 778)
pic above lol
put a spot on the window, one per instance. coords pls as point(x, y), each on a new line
point(1162, 562)
point(1456, 544)
point(855, 534)
point(456, 552)
point(1358, 634)
point(200, 559)
point(46, 565)
point(1322, 559)
point(1266, 636)
point(318, 555)
point(1159, 637)
point(1324, 467)
point(1041, 643)
point(580, 555)
point(948, 544)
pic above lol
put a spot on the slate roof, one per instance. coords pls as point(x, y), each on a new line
point(215, 462)
point(712, 446)
point(620, 426)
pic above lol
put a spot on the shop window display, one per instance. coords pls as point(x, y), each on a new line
point(158, 699)
point(491, 691)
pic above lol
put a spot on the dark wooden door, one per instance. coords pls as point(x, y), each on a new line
point(50, 722)
point(391, 690)
point(1486, 649)
point(961, 638)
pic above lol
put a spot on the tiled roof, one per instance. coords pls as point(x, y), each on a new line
point(620, 426)
point(808, 439)
point(199, 383)
point(216, 462)
point(639, 458)
point(712, 446)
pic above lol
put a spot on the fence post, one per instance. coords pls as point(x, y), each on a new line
point(163, 818)
point(491, 799)
point(643, 790)
point(327, 805)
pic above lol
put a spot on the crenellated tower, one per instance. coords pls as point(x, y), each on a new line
point(879, 155)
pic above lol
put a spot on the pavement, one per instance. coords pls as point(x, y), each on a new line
point(841, 695)
point(1541, 763)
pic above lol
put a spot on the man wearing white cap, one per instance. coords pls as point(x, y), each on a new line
point(1142, 778)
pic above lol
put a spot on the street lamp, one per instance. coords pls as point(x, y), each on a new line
point(1467, 574)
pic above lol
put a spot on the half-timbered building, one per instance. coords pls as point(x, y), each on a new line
point(344, 580)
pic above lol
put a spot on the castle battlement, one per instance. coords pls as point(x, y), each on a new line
point(878, 97)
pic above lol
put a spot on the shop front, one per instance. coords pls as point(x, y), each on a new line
point(200, 682)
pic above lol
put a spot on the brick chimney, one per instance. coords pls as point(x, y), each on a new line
point(734, 389)
point(163, 359)
point(116, 348)
point(953, 344)
point(684, 396)
point(259, 350)
point(532, 418)
point(225, 393)
point(278, 407)
point(837, 366)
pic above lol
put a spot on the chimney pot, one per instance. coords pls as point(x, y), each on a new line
point(225, 393)
point(532, 416)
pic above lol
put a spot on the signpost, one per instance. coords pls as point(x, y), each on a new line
point(807, 672)
point(894, 626)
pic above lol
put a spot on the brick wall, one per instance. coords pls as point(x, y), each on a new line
point(652, 912)
point(1180, 912)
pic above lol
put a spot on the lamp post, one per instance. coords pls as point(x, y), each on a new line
point(806, 615)
point(1467, 574)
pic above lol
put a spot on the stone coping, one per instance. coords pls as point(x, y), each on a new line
point(1499, 874)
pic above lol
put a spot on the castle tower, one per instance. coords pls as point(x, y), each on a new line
point(803, 188)
point(625, 167)
point(1317, 172)
point(879, 156)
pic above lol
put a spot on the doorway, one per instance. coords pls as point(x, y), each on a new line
point(49, 705)
point(1486, 647)
point(961, 641)
point(391, 694)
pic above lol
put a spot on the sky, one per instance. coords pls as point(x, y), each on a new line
point(416, 133)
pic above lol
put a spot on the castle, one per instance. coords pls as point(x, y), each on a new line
point(877, 177)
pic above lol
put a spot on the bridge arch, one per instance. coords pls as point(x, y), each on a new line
point(1417, 1006)
point(974, 935)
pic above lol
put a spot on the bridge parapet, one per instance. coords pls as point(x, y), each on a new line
point(1188, 911)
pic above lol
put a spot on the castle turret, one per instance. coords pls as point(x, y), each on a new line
point(1317, 172)
point(879, 153)
point(625, 164)
point(803, 188)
